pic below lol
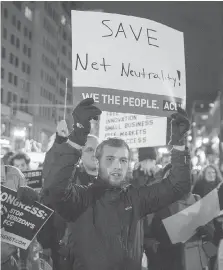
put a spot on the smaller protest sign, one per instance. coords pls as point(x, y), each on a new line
point(20, 223)
point(137, 130)
point(182, 226)
point(34, 179)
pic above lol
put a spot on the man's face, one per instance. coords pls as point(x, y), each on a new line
point(20, 164)
point(88, 154)
point(113, 165)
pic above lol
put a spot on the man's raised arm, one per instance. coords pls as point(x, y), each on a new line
point(68, 199)
point(177, 183)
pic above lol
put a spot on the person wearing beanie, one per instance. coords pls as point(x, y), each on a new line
point(54, 235)
point(142, 170)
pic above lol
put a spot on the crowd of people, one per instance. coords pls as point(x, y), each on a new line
point(107, 217)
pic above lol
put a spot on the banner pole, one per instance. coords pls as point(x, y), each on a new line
point(65, 102)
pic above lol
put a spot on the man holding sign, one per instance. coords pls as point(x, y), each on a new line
point(106, 213)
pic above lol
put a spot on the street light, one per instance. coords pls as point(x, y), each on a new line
point(205, 140)
point(163, 150)
point(19, 133)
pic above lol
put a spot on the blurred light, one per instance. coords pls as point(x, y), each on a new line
point(63, 20)
point(163, 150)
point(198, 167)
point(198, 142)
point(198, 132)
point(189, 138)
point(4, 141)
point(28, 13)
point(204, 117)
point(202, 106)
point(202, 156)
point(205, 140)
point(21, 133)
point(215, 140)
point(194, 160)
point(194, 124)
point(211, 105)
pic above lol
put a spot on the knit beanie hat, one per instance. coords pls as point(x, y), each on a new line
point(147, 153)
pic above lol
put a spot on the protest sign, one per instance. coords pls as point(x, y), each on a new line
point(20, 223)
point(34, 179)
point(137, 130)
point(182, 226)
point(127, 64)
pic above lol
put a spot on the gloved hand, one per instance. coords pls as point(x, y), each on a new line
point(82, 115)
point(180, 125)
point(27, 195)
point(147, 166)
point(204, 233)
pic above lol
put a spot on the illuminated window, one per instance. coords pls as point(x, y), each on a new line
point(2, 95)
point(3, 52)
point(10, 77)
point(25, 32)
point(11, 58)
point(5, 33)
point(17, 43)
point(14, 20)
point(16, 62)
point(12, 39)
point(15, 80)
point(28, 13)
point(18, 25)
point(2, 73)
point(25, 49)
point(5, 13)
point(23, 67)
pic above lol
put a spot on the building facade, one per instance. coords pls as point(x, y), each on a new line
point(36, 60)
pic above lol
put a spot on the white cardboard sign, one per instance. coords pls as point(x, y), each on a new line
point(182, 226)
point(127, 64)
point(137, 130)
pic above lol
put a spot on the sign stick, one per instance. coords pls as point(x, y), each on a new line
point(65, 102)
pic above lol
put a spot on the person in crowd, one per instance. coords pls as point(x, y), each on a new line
point(209, 178)
point(28, 258)
point(56, 230)
point(12, 178)
point(20, 161)
point(7, 156)
point(165, 159)
point(107, 212)
point(161, 253)
point(144, 174)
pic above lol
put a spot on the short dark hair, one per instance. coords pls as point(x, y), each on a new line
point(114, 142)
point(6, 158)
point(19, 156)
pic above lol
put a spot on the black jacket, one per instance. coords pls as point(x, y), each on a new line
point(107, 218)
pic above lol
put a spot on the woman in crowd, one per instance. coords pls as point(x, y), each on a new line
point(209, 178)
point(11, 177)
